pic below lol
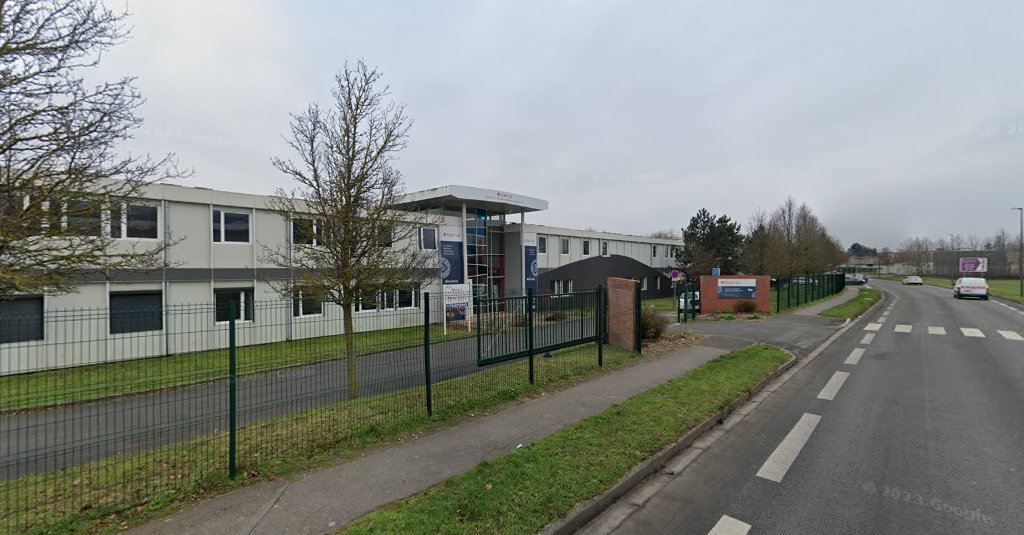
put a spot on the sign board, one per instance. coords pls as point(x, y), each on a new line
point(973, 265)
point(451, 255)
point(737, 288)
point(456, 301)
point(530, 259)
point(716, 272)
point(674, 275)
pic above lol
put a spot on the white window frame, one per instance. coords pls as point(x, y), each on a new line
point(564, 246)
point(247, 214)
point(654, 251)
point(586, 247)
point(604, 248)
point(657, 282)
point(123, 223)
point(434, 231)
point(542, 245)
point(315, 229)
point(242, 308)
point(302, 314)
point(643, 284)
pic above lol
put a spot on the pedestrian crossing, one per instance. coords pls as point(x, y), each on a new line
point(937, 330)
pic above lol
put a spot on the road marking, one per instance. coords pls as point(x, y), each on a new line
point(941, 331)
point(972, 332)
point(778, 463)
point(901, 328)
point(868, 338)
point(872, 326)
point(728, 525)
point(1012, 335)
point(833, 385)
point(855, 356)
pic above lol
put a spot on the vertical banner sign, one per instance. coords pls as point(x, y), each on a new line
point(530, 259)
point(451, 255)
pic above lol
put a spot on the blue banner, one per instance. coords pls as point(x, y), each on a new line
point(737, 288)
point(451, 256)
point(530, 261)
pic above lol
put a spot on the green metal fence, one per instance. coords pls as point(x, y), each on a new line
point(95, 423)
point(798, 290)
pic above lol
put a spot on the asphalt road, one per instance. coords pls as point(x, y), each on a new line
point(917, 429)
point(48, 440)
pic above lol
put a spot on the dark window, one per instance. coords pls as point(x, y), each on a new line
point(604, 248)
point(565, 245)
point(21, 319)
point(230, 226)
point(241, 297)
point(386, 237)
point(367, 301)
point(586, 247)
point(141, 221)
point(132, 312)
point(116, 222)
point(542, 244)
point(428, 238)
point(305, 232)
point(305, 305)
point(216, 225)
point(84, 218)
point(388, 299)
point(654, 251)
point(406, 298)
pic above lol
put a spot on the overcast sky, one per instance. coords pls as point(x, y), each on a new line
point(888, 120)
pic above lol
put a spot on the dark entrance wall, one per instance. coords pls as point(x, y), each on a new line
point(593, 272)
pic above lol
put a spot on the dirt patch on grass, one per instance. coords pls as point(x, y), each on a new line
point(672, 342)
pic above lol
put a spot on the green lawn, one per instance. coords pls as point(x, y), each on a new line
point(82, 383)
point(109, 495)
point(661, 304)
point(524, 491)
point(854, 307)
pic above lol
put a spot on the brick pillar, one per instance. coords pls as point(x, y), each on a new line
point(622, 313)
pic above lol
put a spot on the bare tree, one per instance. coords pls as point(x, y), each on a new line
point(667, 234)
point(354, 243)
point(60, 174)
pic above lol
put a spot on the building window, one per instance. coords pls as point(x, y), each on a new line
point(133, 312)
point(134, 221)
point(561, 286)
point(666, 252)
point(305, 305)
point(542, 245)
point(241, 297)
point(408, 298)
point(428, 238)
point(654, 251)
point(386, 237)
point(367, 301)
point(657, 282)
point(84, 218)
point(21, 319)
point(604, 248)
point(230, 227)
point(643, 284)
point(306, 232)
point(565, 245)
point(586, 247)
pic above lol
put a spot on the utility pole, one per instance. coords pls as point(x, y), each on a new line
point(952, 280)
point(1020, 250)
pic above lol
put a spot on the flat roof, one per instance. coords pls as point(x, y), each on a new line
point(454, 196)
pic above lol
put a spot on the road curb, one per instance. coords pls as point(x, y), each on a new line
point(586, 511)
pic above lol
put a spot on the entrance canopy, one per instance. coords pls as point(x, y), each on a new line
point(494, 201)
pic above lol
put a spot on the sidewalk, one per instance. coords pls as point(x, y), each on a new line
point(323, 501)
point(847, 294)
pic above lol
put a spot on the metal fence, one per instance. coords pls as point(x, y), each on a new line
point(106, 424)
point(798, 290)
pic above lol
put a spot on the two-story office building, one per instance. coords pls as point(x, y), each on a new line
point(215, 253)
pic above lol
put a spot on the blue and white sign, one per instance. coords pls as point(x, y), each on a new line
point(716, 272)
point(737, 288)
point(451, 255)
point(530, 259)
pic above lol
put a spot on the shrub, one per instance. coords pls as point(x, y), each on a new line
point(746, 306)
point(755, 316)
point(652, 324)
point(728, 316)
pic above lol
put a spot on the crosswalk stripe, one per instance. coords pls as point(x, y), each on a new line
point(868, 338)
point(1012, 335)
point(855, 356)
point(728, 525)
point(972, 332)
point(901, 328)
point(872, 326)
point(941, 331)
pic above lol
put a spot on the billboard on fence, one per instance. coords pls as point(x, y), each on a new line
point(456, 301)
point(530, 259)
point(737, 288)
point(972, 264)
point(451, 255)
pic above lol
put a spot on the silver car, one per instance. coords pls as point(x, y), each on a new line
point(970, 287)
point(913, 280)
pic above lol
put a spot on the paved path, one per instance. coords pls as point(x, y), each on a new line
point(816, 308)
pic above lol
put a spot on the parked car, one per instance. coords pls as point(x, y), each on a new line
point(856, 278)
point(913, 280)
point(970, 287)
point(683, 303)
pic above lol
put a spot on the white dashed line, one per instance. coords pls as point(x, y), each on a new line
point(972, 332)
point(901, 328)
point(778, 463)
point(855, 356)
point(941, 331)
point(728, 525)
point(872, 326)
point(868, 338)
point(833, 385)
point(1012, 335)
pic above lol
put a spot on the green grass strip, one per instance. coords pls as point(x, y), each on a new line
point(854, 307)
point(525, 490)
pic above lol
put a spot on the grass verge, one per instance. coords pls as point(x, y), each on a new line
point(118, 492)
point(97, 381)
point(661, 304)
point(854, 307)
point(524, 491)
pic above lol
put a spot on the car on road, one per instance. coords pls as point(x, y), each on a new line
point(856, 278)
point(970, 287)
point(913, 280)
point(696, 302)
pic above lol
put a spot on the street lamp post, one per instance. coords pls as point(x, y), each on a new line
point(1020, 250)
point(952, 278)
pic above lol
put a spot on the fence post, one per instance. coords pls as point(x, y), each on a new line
point(600, 326)
point(636, 319)
point(426, 353)
point(232, 392)
point(675, 295)
point(529, 328)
